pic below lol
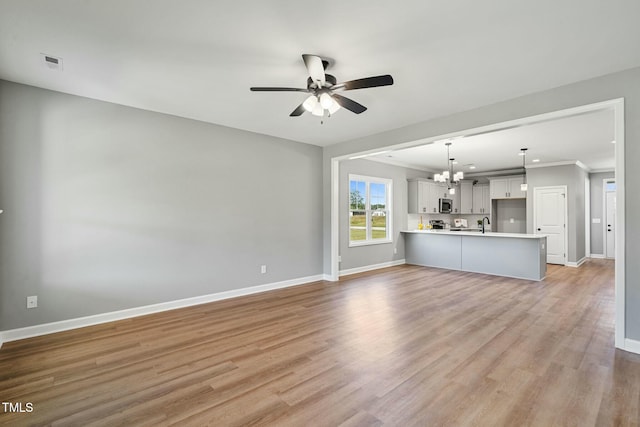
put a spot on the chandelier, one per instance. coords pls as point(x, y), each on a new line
point(447, 176)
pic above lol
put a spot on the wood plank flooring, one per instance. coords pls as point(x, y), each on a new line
point(401, 346)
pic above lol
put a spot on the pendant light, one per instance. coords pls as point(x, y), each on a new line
point(447, 176)
point(524, 186)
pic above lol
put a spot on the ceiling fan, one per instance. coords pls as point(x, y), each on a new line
point(323, 88)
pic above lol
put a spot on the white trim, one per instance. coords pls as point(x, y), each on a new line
point(357, 243)
point(587, 215)
point(576, 264)
point(1, 341)
point(631, 345)
point(602, 170)
point(620, 261)
point(598, 256)
point(81, 322)
point(327, 278)
point(564, 163)
point(605, 235)
point(371, 267)
point(368, 180)
point(335, 215)
point(376, 153)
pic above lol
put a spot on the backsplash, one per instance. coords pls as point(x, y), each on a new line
point(414, 219)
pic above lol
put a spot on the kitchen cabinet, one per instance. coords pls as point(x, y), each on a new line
point(436, 192)
point(455, 201)
point(481, 200)
point(466, 197)
point(424, 196)
point(507, 188)
point(418, 194)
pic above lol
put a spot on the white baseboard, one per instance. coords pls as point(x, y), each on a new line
point(370, 267)
point(576, 264)
point(327, 278)
point(596, 255)
point(632, 346)
point(81, 322)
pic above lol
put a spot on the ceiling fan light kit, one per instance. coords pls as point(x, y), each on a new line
point(322, 87)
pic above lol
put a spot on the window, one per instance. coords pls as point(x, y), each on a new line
point(369, 210)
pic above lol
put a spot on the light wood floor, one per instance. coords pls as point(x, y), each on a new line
point(402, 346)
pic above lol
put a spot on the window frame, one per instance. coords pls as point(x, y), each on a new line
point(368, 180)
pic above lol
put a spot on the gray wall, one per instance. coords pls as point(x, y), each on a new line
point(109, 207)
point(624, 84)
point(597, 211)
point(361, 256)
point(506, 210)
point(573, 177)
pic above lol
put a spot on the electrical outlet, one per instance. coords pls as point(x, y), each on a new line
point(339, 258)
point(263, 269)
point(32, 301)
point(395, 250)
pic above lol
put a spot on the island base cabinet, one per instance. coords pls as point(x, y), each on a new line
point(522, 258)
point(435, 251)
point(519, 258)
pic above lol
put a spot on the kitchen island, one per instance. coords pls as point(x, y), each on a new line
point(523, 256)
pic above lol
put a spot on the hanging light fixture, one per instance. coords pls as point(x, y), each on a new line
point(317, 104)
point(524, 186)
point(447, 176)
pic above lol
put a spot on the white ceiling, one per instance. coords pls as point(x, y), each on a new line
point(585, 138)
point(197, 59)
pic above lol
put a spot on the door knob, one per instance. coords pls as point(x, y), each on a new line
point(539, 229)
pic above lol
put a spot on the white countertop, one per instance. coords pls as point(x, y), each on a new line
point(477, 234)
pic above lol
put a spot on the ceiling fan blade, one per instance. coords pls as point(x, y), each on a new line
point(278, 89)
point(315, 68)
point(376, 81)
point(298, 111)
point(349, 104)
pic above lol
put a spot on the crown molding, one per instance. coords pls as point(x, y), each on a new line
point(565, 163)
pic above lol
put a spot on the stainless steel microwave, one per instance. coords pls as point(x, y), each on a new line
point(446, 205)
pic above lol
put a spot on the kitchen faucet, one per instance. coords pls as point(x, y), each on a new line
point(488, 223)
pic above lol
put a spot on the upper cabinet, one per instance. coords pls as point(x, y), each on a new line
point(418, 196)
point(507, 187)
point(466, 197)
point(424, 196)
point(456, 199)
point(480, 200)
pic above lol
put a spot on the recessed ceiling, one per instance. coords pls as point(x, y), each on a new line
point(585, 138)
point(197, 59)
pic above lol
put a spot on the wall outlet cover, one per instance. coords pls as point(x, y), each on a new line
point(32, 301)
point(596, 220)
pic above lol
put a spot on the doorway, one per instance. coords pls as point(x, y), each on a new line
point(610, 218)
point(332, 243)
point(550, 219)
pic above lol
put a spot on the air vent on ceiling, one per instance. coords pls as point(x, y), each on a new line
point(51, 62)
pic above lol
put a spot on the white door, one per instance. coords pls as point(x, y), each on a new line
point(610, 230)
point(549, 218)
